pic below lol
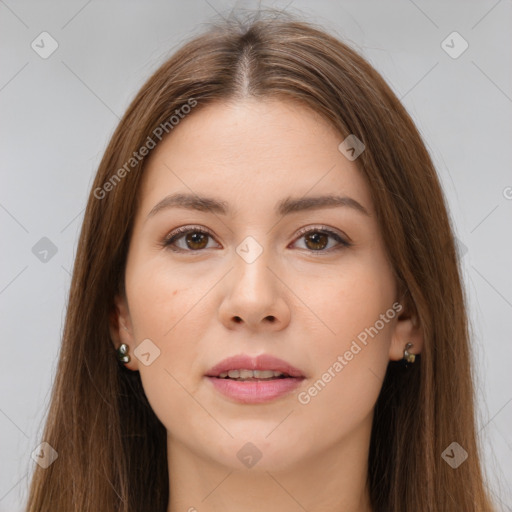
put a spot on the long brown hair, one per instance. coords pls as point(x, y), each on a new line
point(111, 446)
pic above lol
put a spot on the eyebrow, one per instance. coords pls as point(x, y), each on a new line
point(284, 207)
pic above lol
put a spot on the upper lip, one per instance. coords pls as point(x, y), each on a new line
point(261, 362)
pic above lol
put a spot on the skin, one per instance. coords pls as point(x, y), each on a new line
point(201, 306)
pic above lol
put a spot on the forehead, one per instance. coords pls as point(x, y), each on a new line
point(251, 152)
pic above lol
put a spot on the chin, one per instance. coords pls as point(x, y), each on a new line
point(258, 454)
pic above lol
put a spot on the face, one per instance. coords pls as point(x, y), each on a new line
point(266, 269)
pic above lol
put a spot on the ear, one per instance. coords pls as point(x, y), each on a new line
point(407, 330)
point(121, 329)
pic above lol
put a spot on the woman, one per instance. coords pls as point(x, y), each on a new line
point(266, 310)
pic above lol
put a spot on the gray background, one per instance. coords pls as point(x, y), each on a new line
point(58, 114)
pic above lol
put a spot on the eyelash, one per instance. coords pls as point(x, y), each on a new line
point(178, 233)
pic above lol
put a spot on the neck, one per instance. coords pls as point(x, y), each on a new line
point(332, 480)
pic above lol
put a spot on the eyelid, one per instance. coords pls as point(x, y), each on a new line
point(186, 229)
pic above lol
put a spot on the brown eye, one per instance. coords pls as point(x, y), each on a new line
point(316, 240)
point(187, 239)
point(319, 240)
point(196, 240)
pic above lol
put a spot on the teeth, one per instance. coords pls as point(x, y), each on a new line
point(249, 374)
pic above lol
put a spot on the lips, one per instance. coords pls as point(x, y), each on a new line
point(254, 390)
point(262, 362)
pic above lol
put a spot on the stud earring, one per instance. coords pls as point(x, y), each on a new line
point(122, 353)
point(408, 356)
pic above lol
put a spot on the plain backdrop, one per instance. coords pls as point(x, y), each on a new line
point(58, 113)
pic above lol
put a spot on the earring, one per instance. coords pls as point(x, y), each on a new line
point(408, 356)
point(122, 353)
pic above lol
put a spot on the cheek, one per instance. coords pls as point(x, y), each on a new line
point(163, 296)
point(346, 382)
point(351, 360)
point(162, 306)
point(352, 299)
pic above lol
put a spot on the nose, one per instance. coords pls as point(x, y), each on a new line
point(254, 297)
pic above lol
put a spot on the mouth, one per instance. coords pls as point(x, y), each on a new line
point(252, 375)
point(261, 367)
point(249, 380)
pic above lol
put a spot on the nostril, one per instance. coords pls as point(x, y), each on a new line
point(270, 318)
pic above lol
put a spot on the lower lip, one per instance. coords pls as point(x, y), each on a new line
point(255, 392)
